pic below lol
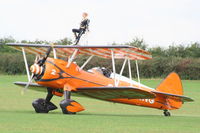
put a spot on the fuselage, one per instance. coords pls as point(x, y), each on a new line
point(56, 75)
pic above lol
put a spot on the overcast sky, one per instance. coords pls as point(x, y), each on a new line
point(158, 22)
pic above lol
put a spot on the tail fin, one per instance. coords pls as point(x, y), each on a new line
point(172, 89)
point(172, 84)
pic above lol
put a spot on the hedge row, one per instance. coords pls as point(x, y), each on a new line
point(13, 63)
point(187, 68)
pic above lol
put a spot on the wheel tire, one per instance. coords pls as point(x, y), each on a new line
point(63, 105)
point(39, 106)
point(167, 113)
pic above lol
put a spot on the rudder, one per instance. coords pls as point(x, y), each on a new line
point(172, 85)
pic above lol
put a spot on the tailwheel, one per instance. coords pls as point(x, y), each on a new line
point(69, 106)
point(41, 106)
point(166, 113)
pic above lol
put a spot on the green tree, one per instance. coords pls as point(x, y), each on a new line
point(157, 51)
point(193, 50)
point(64, 41)
point(137, 42)
point(5, 40)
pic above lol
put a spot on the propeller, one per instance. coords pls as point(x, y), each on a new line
point(27, 85)
point(37, 68)
point(40, 63)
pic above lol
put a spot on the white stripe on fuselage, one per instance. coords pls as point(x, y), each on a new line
point(125, 79)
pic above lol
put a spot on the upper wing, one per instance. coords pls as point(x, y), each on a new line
point(175, 97)
point(120, 51)
point(107, 93)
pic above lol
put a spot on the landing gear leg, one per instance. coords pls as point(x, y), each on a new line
point(44, 105)
point(166, 113)
point(66, 102)
point(69, 106)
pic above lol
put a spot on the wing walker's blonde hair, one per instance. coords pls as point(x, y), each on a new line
point(85, 13)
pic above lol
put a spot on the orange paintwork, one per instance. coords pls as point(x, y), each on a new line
point(68, 87)
point(172, 81)
point(75, 107)
point(57, 93)
point(77, 78)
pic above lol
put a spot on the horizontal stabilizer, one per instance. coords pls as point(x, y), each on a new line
point(106, 93)
point(175, 97)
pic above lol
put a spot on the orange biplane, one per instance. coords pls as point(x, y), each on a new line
point(62, 77)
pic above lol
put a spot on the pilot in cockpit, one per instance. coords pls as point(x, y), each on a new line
point(102, 70)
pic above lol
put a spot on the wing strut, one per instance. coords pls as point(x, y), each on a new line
point(129, 69)
point(113, 66)
point(121, 71)
point(85, 63)
point(54, 53)
point(72, 58)
point(26, 64)
point(138, 73)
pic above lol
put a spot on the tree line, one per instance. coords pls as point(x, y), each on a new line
point(183, 59)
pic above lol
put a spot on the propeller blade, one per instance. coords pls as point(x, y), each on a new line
point(45, 58)
point(27, 85)
point(37, 57)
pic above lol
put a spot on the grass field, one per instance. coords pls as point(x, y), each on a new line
point(17, 115)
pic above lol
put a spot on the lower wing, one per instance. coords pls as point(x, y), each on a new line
point(104, 93)
point(32, 86)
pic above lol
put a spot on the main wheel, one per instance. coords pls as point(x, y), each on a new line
point(39, 106)
point(70, 106)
